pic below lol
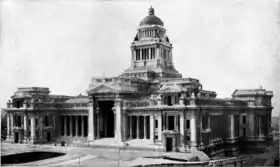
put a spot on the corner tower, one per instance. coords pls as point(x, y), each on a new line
point(151, 51)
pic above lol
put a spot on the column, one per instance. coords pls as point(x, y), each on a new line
point(8, 126)
point(176, 123)
point(83, 129)
point(65, 125)
point(145, 127)
point(130, 126)
point(41, 128)
point(140, 54)
point(77, 127)
point(232, 126)
point(120, 120)
point(91, 122)
point(71, 126)
point(150, 53)
point(98, 127)
point(159, 128)
point(12, 126)
point(25, 126)
point(201, 129)
point(182, 129)
point(138, 126)
point(260, 125)
point(32, 129)
point(152, 128)
point(193, 131)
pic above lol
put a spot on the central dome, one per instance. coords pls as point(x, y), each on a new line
point(151, 19)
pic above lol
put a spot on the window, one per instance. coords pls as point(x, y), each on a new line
point(36, 122)
point(46, 121)
point(188, 124)
point(170, 122)
point(29, 122)
point(156, 124)
point(244, 119)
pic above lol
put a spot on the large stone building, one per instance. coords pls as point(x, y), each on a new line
point(149, 104)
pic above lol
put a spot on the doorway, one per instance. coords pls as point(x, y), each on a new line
point(107, 120)
point(49, 136)
point(169, 144)
point(16, 137)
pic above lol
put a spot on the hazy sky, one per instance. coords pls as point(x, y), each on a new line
point(60, 44)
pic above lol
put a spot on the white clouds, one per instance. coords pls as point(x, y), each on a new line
point(61, 44)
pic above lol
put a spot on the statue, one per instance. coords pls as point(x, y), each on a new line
point(136, 38)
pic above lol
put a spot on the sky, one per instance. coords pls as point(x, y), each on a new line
point(61, 44)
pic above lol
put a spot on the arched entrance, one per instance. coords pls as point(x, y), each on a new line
point(106, 119)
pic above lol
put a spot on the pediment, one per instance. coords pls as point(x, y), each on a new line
point(102, 89)
point(170, 89)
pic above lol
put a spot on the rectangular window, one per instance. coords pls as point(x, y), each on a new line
point(29, 122)
point(244, 119)
point(187, 124)
point(156, 124)
point(171, 122)
point(36, 122)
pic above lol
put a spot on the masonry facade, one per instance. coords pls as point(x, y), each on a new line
point(150, 102)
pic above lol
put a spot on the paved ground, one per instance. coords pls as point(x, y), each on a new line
point(83, 156)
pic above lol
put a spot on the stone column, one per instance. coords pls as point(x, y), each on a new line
point(91, 122)
point(71, 126)
point(65, 125)
point(152, 128)
point(193, 131)
point(77, 127)
point(145, 127)
point(159, 128)
point(140, 54)
point(25, 126)
point(201, 129)
point(12, 127)
point(232, 126)
point(42, 139)
point(260, 126)
point(138, 126)
point(120, 131)
point(150, 53)
point(98, 127)
point(176, 123)
point(83, 129)
point(130, 126)
point(8, 127)
point(182, 129)
point(33, 129)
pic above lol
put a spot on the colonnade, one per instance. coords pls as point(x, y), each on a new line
point(74, 125)
point(141, 127)
point(144, 54)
